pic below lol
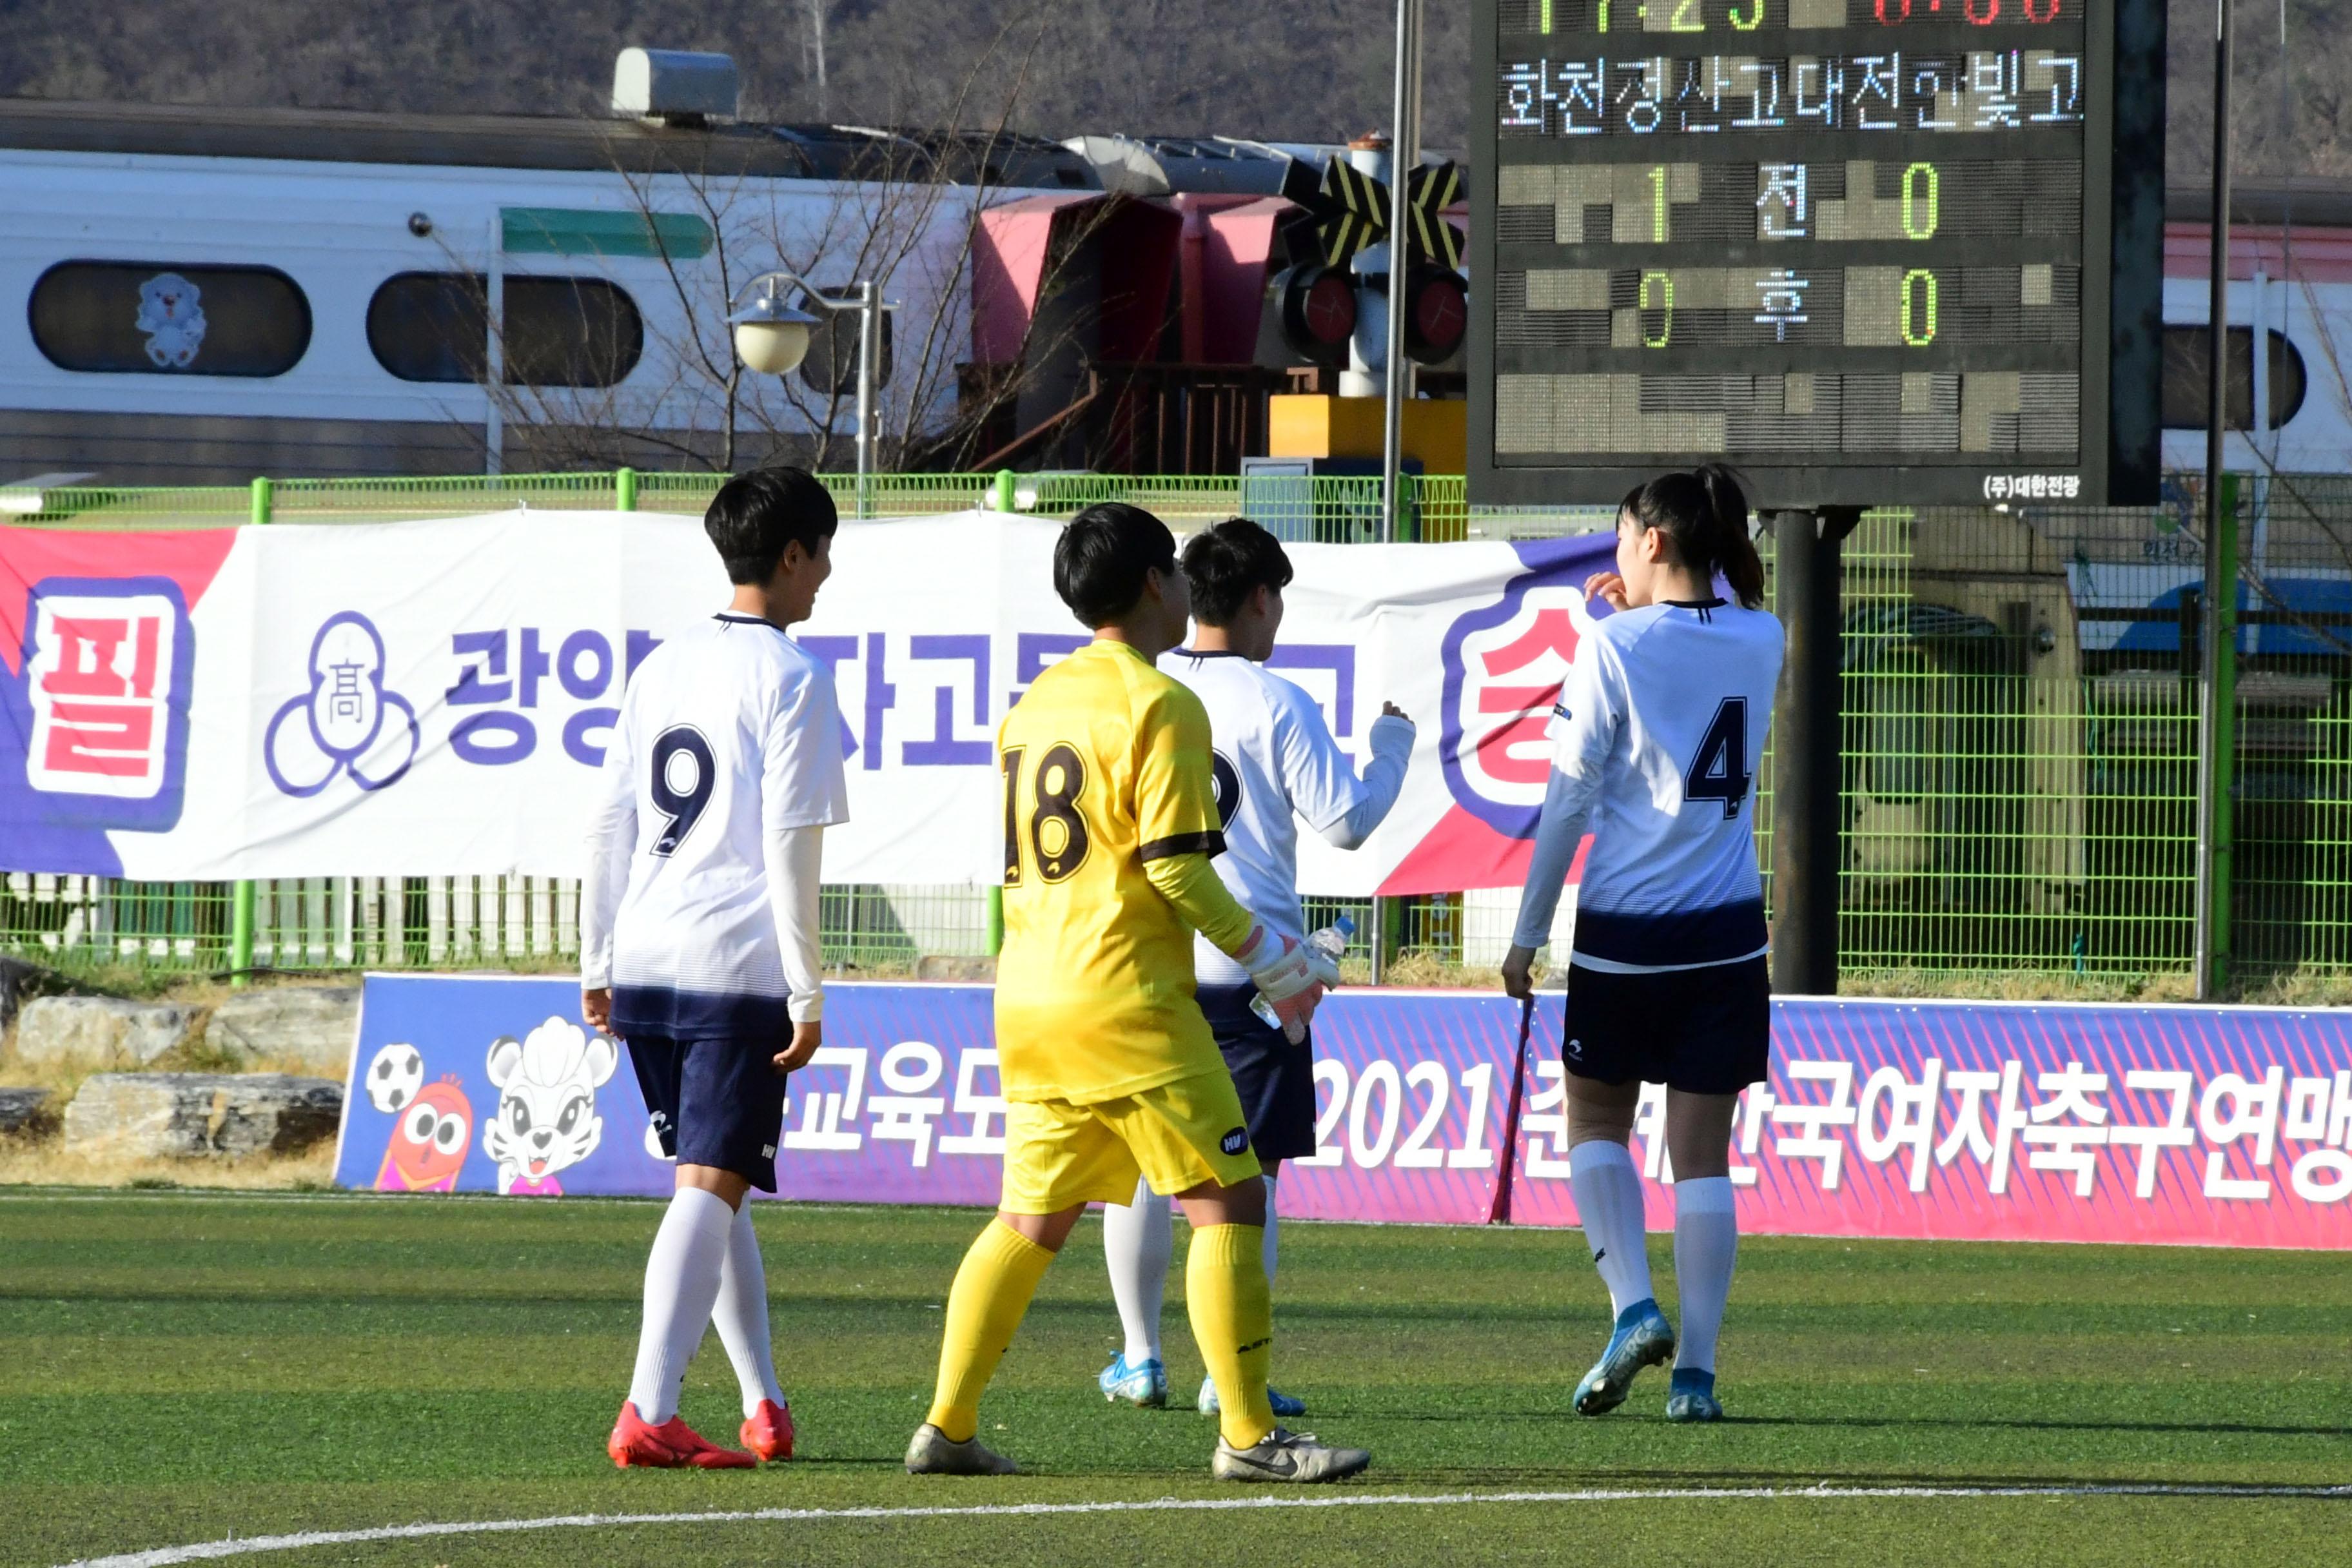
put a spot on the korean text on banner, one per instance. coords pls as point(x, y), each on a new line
point(433, 698)
point(2210, 1126)
point(2219, 1126)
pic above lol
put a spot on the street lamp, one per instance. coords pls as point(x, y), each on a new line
point(772, 338)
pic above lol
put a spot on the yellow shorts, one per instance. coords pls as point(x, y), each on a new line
point(1058, 1155)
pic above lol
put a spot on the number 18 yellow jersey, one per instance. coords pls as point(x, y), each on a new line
point(1105, 765)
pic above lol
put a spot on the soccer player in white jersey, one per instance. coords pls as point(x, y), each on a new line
point(1275, 762)
point(698, 940)
point(1657, 742)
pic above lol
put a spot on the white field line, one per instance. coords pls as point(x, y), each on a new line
point(162, 1556)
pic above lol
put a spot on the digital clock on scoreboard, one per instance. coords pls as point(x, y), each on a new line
point(1867, 251)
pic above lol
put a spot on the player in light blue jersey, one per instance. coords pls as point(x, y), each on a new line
point(1657, 742)
point(1275, 764)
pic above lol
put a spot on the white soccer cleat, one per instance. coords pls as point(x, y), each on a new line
point(1285, 1455)
point(931, 1454)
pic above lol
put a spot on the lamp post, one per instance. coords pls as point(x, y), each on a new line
point(771, 337)
point(1404, 156)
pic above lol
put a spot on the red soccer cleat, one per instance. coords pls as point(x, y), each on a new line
point(768, 1432)
point(671, 1446)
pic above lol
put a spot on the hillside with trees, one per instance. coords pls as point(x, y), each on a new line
point(1305, 70)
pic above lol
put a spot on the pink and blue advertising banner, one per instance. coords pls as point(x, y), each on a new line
point(2010, 1122)
point(2220, 1126)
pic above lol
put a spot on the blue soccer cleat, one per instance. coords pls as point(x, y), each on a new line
point(1144, 1385)
point(1643, 1337)
point(1282, 1404)
point(1691, 1397)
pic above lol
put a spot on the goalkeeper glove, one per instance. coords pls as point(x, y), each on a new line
point(1286, 975)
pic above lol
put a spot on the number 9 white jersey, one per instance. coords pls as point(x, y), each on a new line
point(1656, 743)
point(729, 733)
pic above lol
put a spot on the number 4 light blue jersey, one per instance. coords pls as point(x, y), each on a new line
point(1275, 762)
point(728, 737)
point(1656, 742)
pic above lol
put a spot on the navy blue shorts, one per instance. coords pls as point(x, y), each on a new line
point(1275, 1079)
point(1703, 1031)
point(714, 1102)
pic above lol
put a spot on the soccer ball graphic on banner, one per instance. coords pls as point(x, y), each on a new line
point(394, 1077)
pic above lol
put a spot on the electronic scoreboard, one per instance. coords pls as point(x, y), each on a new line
point(1866, 251)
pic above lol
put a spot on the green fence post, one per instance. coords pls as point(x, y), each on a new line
point(625, 490)
point(995, 922)
point(1004, 493)
point(241, 893)
point(240, 932)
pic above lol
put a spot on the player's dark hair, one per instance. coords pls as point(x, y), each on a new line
point(1704, 514)
point(1224, 564)
point(1103, 557)
point(755, 515)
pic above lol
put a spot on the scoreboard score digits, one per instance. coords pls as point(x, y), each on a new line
point(1868, 251)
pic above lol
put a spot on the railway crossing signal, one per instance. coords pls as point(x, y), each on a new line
point(1429, 191)
point(1348, 212)
point(1345, 214)
point(1351, 212)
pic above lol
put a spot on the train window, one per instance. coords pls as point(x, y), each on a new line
point(168, 319)
point(560, 331)
point(2188, 378)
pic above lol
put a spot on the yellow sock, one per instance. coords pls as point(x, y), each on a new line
point(1232, 1321)
point(984, 1307)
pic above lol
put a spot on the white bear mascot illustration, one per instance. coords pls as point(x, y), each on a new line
point(173, 320)
point(547, 1119)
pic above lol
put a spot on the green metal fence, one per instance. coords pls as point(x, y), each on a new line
point(2021, 720)
point(1344, 509)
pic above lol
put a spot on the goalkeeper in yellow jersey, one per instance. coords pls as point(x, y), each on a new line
point(1110, 819)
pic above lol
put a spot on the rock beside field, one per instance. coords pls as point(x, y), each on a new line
point(180, 1115)
point(22, 1107)
point(14, 976)
point(311, 1026)
point(103, 1031)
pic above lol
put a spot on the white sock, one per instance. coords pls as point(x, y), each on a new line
point(741, 1315)
point(1139, 1239)
point(1706, 1246)
point(1273, 1233)
point(681, 1284)
point(1608, 1196)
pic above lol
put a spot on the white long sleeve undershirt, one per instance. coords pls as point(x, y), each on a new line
point(1384, 778)
point(795, 860)
point(612, 840)
point(1566, 808)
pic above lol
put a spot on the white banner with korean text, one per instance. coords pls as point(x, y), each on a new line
point(433, 698)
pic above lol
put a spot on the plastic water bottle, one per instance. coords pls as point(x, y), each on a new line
point(1330, 942)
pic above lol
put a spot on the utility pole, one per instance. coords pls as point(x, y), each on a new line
point(2221, 595)
point(1404, 156)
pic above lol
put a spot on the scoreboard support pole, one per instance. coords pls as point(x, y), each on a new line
point(1808, 767)
point(2210, 956)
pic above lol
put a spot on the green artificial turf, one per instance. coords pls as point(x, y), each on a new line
point(185, 1368)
